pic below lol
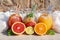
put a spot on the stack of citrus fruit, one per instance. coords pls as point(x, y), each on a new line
point(47, 19)
point(15, 24)
point(45, 23)
point(29, 20)
point(29, 25)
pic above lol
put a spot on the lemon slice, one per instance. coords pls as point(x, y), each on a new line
point(29, 30)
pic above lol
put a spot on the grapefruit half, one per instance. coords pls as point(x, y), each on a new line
point(18, 28)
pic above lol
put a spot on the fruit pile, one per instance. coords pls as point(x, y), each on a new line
point(17, 26)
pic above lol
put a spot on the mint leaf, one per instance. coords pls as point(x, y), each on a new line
point(9, 32)
point(30, 15)
point(50, 32)
point(32, 11)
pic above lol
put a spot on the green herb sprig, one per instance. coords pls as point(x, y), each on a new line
point(50, 32)
point(9, 32)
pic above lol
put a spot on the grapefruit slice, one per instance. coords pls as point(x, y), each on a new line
point(18, 28)
point(29, 30)
point(40, 28)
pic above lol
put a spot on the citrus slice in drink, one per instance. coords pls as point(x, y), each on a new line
point(40, 28)
point(18, 28)
point(29, 30)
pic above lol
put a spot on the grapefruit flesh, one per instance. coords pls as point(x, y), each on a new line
point(18, 28)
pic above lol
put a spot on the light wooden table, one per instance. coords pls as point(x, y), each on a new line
point(30, 37)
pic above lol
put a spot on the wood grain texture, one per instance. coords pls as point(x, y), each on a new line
point(23, 4)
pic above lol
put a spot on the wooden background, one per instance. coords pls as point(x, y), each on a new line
point(23, 4)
